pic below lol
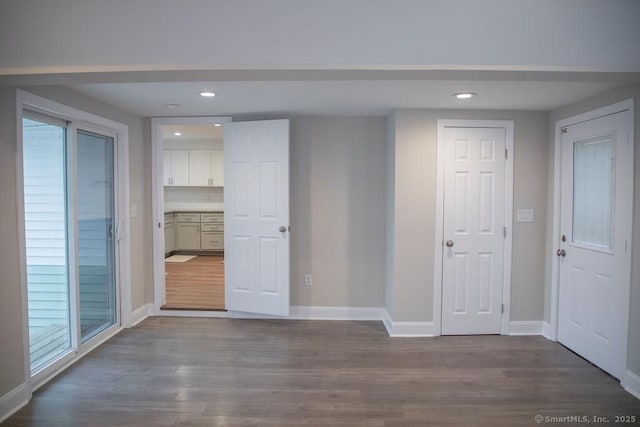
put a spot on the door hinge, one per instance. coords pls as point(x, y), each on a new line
point(504, 232)
point(565, 130)
point(506, 151)
point(502, 308)
point(159, 225)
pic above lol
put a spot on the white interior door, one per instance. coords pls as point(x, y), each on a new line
point(474, 240)
point(256, 216)
point(594, 249)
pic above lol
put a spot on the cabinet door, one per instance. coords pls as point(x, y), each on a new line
point(217, 167)
point(200, 168)
point(169, 238)
point(166, 172)
point(188, 236)
point(180, 167)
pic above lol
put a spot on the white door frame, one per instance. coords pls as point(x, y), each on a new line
point(157, 194)
point(507, 125)
point(552, 332)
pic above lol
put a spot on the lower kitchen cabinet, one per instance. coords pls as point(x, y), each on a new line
point(189, 236)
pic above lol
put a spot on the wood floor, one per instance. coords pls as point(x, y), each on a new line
point(171, 371)
point(197, 284)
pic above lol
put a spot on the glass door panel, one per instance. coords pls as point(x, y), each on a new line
point(44, 147)
point(96, 232)
point(593, 184)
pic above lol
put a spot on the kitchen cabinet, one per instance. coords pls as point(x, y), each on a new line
point(206, 168)
point(199, 231)
point(188, 236)
point(212, 231)
point(176, 168)
point(169, 234)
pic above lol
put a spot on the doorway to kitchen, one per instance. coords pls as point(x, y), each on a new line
point(190, 208)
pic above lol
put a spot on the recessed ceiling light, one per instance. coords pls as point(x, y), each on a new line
point(177, 134)
point(217, 124)
point(464, 95)
point(171, 106)
point(207, 94)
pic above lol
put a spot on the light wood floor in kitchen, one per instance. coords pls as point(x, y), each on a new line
point(197, 284)
point(170, 371)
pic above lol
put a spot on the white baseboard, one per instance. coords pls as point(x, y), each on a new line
point(547, 332)
point(318, 313)
point(336, 313)
point(528, 327)
point(13, 401)
point(407, 329)
point(631, 383)
point(140, 314)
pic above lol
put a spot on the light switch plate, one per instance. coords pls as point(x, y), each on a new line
point(134, 211)
point(524, 215)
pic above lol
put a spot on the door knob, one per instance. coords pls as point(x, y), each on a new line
point(283, 228)
point(449, 243)
point(561, 252)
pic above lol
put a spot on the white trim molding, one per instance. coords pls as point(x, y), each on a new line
point(526, 327)
point(508, 126)
point(139, 314)
point(407, 329)
point(547, 332)
point(631, 383)
point(13, 401)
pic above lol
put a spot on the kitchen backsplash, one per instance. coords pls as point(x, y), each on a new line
point(193, 198)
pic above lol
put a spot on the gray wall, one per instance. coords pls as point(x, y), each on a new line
point(415, 197)
point(12, 360)
point(337, 210)
point(616, 95)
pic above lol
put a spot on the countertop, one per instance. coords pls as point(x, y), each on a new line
point(168, 211)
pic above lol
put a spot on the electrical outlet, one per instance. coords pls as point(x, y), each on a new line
point(307, 280)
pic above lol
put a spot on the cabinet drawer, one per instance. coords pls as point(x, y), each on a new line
point(212, 240)
point(188, 217)
point(212, 227)
point(168, 218)
point(213, 217)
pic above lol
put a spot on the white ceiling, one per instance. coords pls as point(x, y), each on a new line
point(336, 97)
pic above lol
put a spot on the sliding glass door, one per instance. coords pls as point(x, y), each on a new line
point(70, 236)
point(46, 239)
point(95, 232)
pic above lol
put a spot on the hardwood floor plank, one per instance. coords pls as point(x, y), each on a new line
point(232, 372)
point(197, 284)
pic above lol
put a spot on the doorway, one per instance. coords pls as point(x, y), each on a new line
point(593, 253)
point(250, 226)
point(474, 214)
point(193, 215)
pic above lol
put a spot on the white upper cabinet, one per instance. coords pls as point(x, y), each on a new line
point(176, 168)
point(206, 168)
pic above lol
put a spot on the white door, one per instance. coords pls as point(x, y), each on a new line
point(256, 216)
point(594, 250)
point(474, 239)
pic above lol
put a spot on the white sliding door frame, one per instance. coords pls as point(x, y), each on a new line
point(557, 183)
point(120, 133)
point(157, 194)
point(439, 226)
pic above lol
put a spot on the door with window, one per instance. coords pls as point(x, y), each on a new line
point(70, 232)
point(594, 249)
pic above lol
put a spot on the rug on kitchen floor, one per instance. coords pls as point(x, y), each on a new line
point(179, 258)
